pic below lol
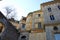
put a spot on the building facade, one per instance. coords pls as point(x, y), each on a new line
point(51, 15)
point(29, 21)
point(43, 24)
point(33, 26)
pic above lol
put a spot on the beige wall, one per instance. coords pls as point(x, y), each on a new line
point(37, 19)
point(29, 22)
point(37, 36)
point(20, 25)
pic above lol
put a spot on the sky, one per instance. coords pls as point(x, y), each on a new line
point(23, 7)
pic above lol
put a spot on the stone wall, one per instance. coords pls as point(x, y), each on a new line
point(37, 36)
point(24, 36)
point(50, 32)
point(54, 11)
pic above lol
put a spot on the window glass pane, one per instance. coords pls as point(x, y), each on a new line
point(52, 17)
point(39, 25)
point(57, 36)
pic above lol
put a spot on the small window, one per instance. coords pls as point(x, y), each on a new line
point(23, 25)
point(52, 17)
point(39, 25)
point(49, 9)
point(38, 15)
point(59, 7)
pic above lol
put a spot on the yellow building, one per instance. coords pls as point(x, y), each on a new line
point(37, 21)
point(34, 21)
point(33, 26)
point(29, 21)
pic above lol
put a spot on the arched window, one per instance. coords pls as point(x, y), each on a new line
point(59, 7)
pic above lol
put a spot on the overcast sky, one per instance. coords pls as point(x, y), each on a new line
point(23, 7)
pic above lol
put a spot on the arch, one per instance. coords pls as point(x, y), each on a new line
point(55, 28)
point(23, 37)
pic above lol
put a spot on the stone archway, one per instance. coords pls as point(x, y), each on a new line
point(23, 37)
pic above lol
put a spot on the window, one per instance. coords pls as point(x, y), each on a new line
point(39, 25)
point(23, 25)
point(49, 9)
point(38, 15)
point(59, 7)
point(52, 17)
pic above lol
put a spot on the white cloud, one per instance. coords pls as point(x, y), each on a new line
point(20, 11)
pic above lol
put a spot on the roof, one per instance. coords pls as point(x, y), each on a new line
point(49, 3)
point(34, 12)
point(30, 13)
point(2, 16)
point(12, 19)
point(37, 11)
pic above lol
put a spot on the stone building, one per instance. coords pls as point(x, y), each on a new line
point(15, 23)
point(33, 28)
point(7, 30)
point(24, 35)
point(51, 13)
point(44, 24)
point(29, 21)
point(37, 31)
